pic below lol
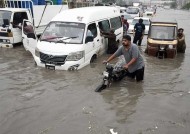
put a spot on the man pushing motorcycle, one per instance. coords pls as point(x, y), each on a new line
point(134, 61)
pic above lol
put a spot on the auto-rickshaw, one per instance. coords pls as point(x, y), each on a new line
point(162, 38)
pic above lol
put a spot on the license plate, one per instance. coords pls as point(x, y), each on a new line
point(50, 66)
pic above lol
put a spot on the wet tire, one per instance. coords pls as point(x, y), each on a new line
point(100, 88)
point(93, 59)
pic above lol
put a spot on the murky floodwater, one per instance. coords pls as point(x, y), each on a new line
point(38, 101)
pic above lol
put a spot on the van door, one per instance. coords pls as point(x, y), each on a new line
point(104, 26)
point(29, 36)
point(91, 47)
point(116, 24)
point(18, 18)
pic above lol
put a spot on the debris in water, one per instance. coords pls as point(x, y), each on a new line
point(85, 111)
point(112, 132)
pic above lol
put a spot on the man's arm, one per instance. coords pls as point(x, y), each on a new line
point(134, 30)
point(127, 26)
point(110, 58)
point(143, 31)
point(133, 60)
point(109, 36)
point(183, 38)
point(116, 54)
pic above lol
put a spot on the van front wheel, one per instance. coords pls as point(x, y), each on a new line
point(93, 58)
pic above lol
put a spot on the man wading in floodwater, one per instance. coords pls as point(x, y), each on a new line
point(134, 61)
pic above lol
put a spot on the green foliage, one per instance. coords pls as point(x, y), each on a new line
point(187, 6)
point(173, 5)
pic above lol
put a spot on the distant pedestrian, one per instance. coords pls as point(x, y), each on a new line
point(181, 45)
point(139, 29)
point(125, 27)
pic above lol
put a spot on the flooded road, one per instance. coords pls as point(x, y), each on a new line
point(38, 101)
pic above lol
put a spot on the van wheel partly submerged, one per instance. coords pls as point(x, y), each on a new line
point(93, 58)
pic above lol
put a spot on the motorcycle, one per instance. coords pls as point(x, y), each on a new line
point(113, 73)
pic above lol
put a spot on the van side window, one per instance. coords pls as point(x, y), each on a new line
point(18, 17)
point(116, 22)
point(104, 25)
point(92, 30)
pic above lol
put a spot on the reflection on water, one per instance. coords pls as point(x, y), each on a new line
point(124, 99)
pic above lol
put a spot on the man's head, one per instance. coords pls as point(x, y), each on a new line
point(180, 31)
point(140, 20)
point(112, 30)
point(126, 41)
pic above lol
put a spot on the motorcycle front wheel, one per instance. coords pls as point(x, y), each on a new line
point(101, 87)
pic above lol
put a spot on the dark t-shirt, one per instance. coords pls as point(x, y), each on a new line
point(139, 28)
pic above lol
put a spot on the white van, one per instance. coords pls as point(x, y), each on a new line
point(72, 39)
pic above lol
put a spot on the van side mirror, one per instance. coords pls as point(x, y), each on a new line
point(89, 39)
point(31, 35)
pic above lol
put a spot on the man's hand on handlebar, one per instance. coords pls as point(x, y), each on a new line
point(125, 66)
point(105, 62)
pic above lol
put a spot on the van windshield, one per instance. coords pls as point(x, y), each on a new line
point(5, 17)
point(163, 32)
point(68, 32)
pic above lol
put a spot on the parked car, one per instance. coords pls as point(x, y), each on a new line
point(133, 11)
point(149, 13)
point(146, 22)
point(128, 17)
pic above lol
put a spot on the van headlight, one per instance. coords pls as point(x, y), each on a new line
point(170, 46)
point(75, 56)
point(37, 52)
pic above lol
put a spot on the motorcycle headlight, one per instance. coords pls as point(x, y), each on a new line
point(37, 52)
point(75, 56)
point(105, 74)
